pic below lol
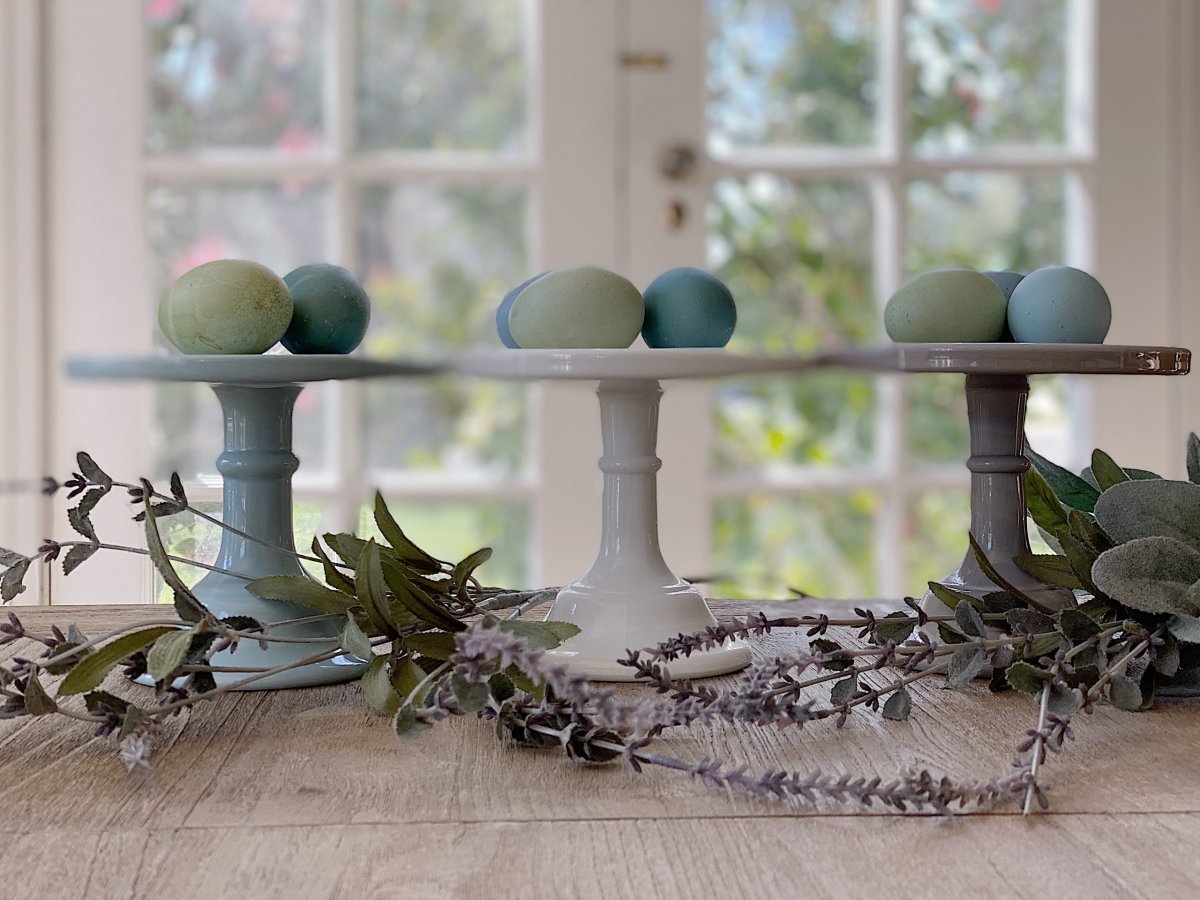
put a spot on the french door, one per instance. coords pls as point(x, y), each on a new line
point(813, 152)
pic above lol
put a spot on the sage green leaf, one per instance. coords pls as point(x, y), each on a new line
point(90, 671)
point(952, 598)
point(92, 472)
point(10, 557)
point(965, 664)
point(843, 691)
point(68, 659)
point(37, 701)
point(1166, 658)
point(471, 696)
point(188, 610)
point(334, 576)
point(1064, 701)
point(898, 706)
point(406, 676)
point(1045, 645)
point(372, 591)
point(896, 626)
point(1084, 529)
point(1151, 574)
point(1000, 602)
point(405, 549)
point(435, 644)
point(968, 620)
point(354, 641)
point(348, 547)
point(1027, 678)
point(1070, 489)
point(1138, 509)
point(168, 654)
point(464, 570)
point(1076, 626)
point(948, 635)
point(1030, 620)
point(501, 687)
point(1106, 472)
point(1184, 628)
point(1081, 557)
point(539, 635)
point(1055, 571)
point(80, 521)
point(1044, 508)
point(12, 582)
point(158, 555)
point(416, 602)
point(377, 687)
point(1050, 539)
point(985, 566)
point(78, 554)
point(1124, 693)
point(303, 591)
point(405, 723)
point(1193, 458)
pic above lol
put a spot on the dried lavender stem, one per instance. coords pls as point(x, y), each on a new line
point(1036, 761)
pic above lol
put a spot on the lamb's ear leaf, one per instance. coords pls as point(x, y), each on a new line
point(1193, 458)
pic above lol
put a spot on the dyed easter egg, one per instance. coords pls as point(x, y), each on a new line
point(1059, 305)
point(946, 306)
point(1007, 282)
point(331, 310)
point(502, 328)
point(226, 306)
point(688, 307)
point(583, 307)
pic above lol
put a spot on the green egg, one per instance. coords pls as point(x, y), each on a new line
point(226, 306)
point(946, 306)
point(577, 308)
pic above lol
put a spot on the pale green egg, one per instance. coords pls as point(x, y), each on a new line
point(226, 306)
point(577, 308)
point(946, 306)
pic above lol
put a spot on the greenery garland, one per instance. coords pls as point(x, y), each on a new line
point(1126, 541)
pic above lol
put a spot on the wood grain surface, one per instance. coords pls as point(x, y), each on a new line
point(306, 794)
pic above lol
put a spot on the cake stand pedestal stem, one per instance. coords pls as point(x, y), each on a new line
point(630, 598)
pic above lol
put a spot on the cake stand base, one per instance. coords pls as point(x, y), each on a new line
point(612, 623)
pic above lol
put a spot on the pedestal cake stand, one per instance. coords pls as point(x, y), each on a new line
point(257, 395)
point(997, 386)
point(630, 598)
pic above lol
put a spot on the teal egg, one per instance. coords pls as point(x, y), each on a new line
point(946, 306)
point(577, 308)
point(688, 307)
point(332, 310)
point(226, 306)
point(1059, 305)
point(502, 328)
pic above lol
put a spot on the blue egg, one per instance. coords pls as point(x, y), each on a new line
point(688, 307)
point(1059, 305)
point(1007, 282)
point(502, 310)
point(331, 310)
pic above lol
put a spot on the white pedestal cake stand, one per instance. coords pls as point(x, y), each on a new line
point(997, 391)
point(257, 395)
point(630, 598)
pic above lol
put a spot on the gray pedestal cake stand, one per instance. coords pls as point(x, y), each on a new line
point(997, 386)
point(257, 395)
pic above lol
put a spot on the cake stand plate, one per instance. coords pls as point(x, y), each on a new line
point(997, 386)
point(630, 599)
point(257, 395)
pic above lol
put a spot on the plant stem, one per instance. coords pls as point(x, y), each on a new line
point(1036, 762)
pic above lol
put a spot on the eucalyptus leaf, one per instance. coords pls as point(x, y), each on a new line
point(168, 654)
point(377, 687)
point(965, 664)
point(77, 555)
point(1140, 509)
point(1151, 574)
point(1106, 472)
point(90, 671)
point(843, 691)
point(1026, 677)
point(303, 591)
point(1193, 458)
point(354, 641)
point(1124, 693)
point(37, 701)
point(1070, 489)
point(968, 620)
point(471, 696)
point(12, 582)
point(898, 706)
point(1076, 626)
point(1055, 571)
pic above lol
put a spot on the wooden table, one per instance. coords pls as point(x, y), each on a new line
point(305, 794)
